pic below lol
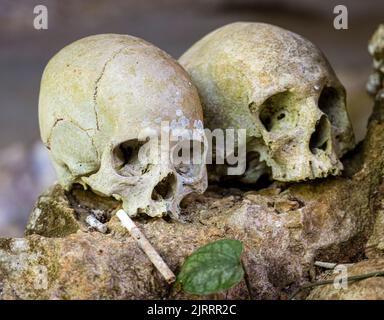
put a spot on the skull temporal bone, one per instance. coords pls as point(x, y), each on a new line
point(97, 96)
point(281, 89)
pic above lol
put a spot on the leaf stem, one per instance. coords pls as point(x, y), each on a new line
point(247, 282)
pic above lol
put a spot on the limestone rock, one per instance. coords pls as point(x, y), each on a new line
point(375, 244)
point(367, 289)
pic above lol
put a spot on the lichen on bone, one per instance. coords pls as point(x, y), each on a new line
point(282, 90)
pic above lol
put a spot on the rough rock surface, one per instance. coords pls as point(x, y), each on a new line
point(284, 228)
point(366, 289)
point(375, 244)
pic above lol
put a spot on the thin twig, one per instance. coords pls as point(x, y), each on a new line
point(146, 246)
point(325, 282)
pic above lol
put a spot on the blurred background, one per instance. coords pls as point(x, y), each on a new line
point(173, 25)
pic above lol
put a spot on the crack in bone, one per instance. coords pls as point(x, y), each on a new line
point(95, 93)
point(48, 143)
point(57, 121)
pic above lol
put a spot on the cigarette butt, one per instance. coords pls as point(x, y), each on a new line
point(146, 246)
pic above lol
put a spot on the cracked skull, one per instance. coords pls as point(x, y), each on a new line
point(281, 89)
point(103, 102)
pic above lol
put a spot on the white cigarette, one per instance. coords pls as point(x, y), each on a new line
point(146, 246)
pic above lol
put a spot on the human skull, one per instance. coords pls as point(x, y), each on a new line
point(103, 101)
point(281, 89)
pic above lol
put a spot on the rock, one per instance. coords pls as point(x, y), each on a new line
point(375, 245)
point(367, 289)
point(52, 215)
point(58, 213)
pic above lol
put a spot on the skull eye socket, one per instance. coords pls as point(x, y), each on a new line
point(126, 158)
point(125, 154)
point(273, 112)
point(331, 102)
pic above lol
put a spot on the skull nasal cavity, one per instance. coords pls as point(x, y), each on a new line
point(165, 188)
point(320, 136)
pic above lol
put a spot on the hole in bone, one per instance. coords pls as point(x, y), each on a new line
point(319, 138)
point(126, 152)
point(165, 188)
point(187, 157)
point(330, 102)
point(273, 111)
point(255, 168)
point(126, 158)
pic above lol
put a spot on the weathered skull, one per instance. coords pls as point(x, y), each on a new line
point(281, 89)
point(100, 98)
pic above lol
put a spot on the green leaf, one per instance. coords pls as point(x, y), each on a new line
point(212, 268)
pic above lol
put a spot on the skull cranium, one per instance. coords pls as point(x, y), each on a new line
point(281, 89)
point(98, 98)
